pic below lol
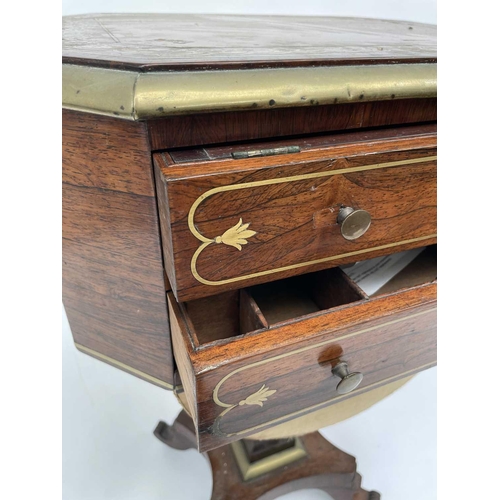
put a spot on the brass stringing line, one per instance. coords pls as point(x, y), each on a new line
point(293, 178)
point(324, 403)
point(303, 349)
point(232, 187)
point(294, 266)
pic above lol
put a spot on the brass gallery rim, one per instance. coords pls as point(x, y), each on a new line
point(238, 235)
point(135, 95)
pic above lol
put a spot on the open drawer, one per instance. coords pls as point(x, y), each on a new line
point(258, 357)
point(239, 215)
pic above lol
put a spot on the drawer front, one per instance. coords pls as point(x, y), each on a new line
point(242, 387)
point(233, 223)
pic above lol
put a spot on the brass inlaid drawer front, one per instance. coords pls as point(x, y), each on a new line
point(233, 223)
point(256, 358)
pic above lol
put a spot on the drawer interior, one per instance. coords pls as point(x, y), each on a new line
point(306, 294)
point(223, 316)
point(254, 310)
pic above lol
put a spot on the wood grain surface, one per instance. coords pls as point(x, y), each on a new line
point(179, 41)
point(244, 384)
point(292, 217)
point(113, 280)
point(214, 128)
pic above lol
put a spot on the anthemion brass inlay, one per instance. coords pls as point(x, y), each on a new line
point(260, 396)
point(257, 398)
point(237, 235)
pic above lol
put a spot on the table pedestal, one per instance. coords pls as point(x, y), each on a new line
point(265, 470)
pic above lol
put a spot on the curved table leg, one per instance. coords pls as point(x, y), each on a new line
point(180, 435)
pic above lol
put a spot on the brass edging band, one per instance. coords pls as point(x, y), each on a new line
point(315, 175)
point(123, 366)
point(134, 95)
point(99, 91)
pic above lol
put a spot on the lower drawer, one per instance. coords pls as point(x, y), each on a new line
point(258, 357)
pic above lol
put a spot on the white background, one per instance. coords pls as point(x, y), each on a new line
point(423, 11)
point(109, 451)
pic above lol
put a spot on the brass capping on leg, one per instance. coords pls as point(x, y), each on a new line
point(268, 464)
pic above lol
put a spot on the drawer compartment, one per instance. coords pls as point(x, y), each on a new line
point(258, 357)
point(230, 223)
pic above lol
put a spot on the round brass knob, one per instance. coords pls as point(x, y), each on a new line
point(353, 223)
point(349, 381)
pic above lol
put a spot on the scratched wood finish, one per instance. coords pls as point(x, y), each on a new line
point(385, 337)
point(213, 128)
point(176, 41)
point(113, 280)
point(295, 221)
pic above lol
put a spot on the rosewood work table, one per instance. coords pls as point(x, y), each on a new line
point(219, 172)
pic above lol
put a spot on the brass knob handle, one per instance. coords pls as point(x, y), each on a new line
point(353, 223)
point(349, 381)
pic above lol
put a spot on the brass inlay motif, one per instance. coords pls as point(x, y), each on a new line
point(228, 407)
point(233, 237)
point(258, 398)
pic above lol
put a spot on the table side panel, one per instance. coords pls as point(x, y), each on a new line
point(113, 279)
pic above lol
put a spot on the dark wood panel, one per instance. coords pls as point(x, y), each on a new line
point(112, 220)
point(166, 236)
point(185, 369)
point(214, 128)
point(179, 41)
point(305, 143)
point(113, 278)
point(104, 153)
point(386, 338)
point(293, 218)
